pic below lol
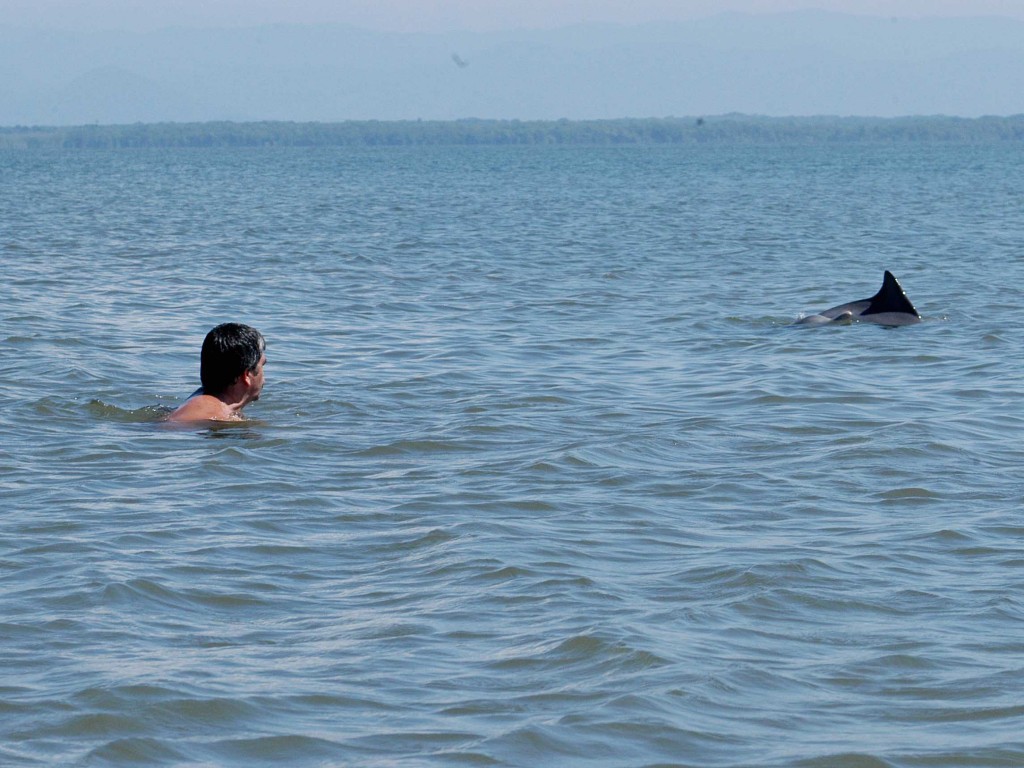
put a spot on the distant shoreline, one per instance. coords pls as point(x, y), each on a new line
point(732, 129)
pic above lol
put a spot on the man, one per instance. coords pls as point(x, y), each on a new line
point(231, 371)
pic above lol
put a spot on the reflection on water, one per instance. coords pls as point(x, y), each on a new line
point(246, 430)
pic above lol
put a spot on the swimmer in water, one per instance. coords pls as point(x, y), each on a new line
point(231, 371)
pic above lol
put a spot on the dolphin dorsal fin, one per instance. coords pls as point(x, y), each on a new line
point(890, 298)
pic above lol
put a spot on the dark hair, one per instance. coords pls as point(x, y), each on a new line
point(229, 350)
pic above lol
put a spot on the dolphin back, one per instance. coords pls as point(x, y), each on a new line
point(890, 306)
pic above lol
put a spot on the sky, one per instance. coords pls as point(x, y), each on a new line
point(447, 15)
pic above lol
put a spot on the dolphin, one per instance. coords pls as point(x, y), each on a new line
point(890, 306)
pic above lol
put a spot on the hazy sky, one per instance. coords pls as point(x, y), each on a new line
point(446, 15)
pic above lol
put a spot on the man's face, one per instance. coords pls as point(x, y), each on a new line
point(256, 379)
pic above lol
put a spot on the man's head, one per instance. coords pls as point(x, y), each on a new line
point(229, 351)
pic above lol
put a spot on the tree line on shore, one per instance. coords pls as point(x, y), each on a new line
point(641, 131)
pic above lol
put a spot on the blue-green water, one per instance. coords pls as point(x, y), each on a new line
point(542, 473)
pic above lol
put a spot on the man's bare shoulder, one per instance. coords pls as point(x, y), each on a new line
point(202, 407)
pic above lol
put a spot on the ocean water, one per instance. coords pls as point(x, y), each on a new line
point(543, 473)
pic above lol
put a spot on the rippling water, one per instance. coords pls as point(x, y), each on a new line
point(542, 474)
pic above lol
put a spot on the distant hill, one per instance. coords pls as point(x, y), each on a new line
point(723, 129)
point(806, 63)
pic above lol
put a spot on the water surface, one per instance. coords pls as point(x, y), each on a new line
point(542, 474)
